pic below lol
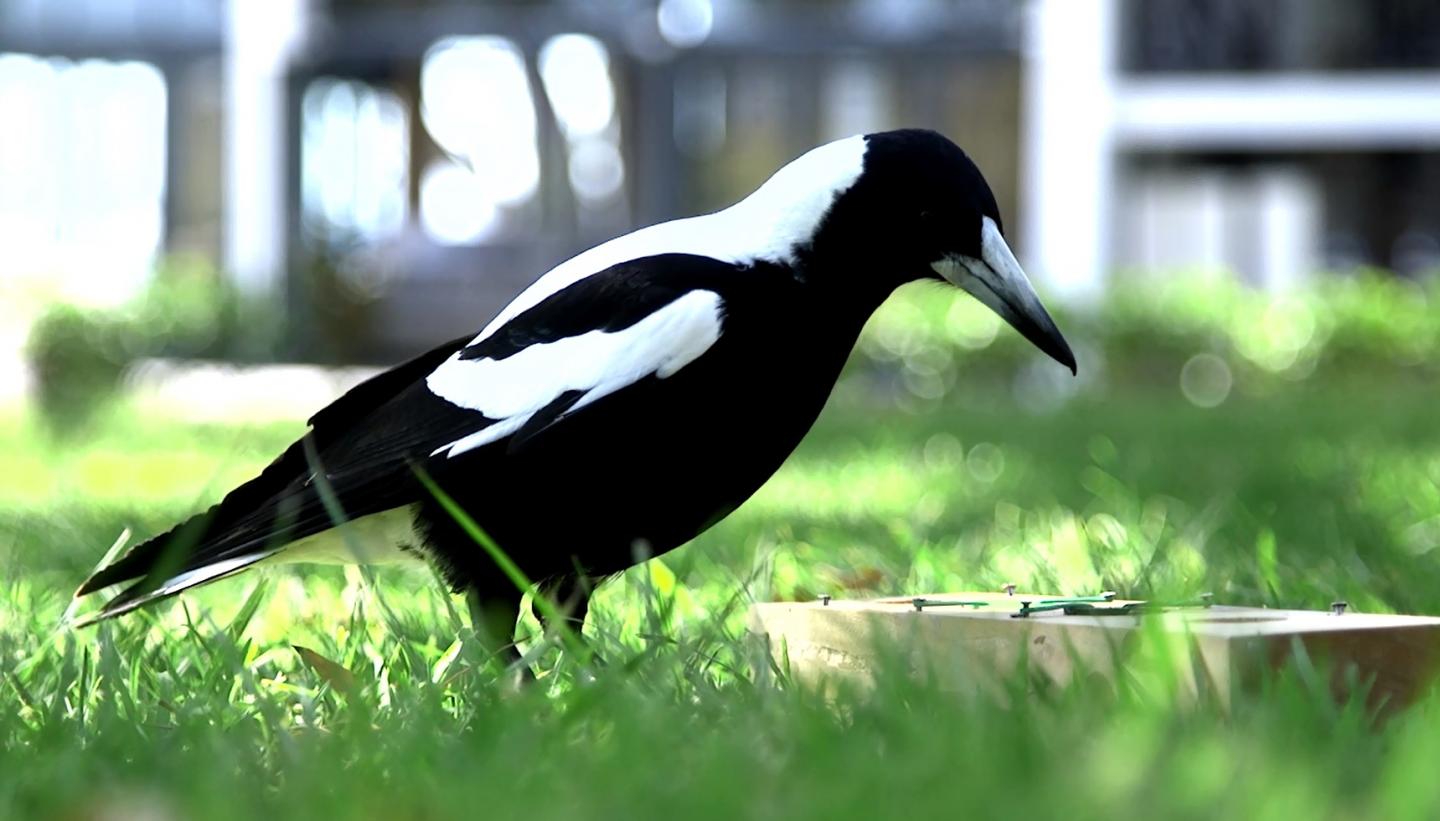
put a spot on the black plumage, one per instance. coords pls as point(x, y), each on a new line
point(633, 397)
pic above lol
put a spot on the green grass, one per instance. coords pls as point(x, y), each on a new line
point(203, 708)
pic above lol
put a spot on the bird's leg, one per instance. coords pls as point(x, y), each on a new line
point(492, 618)
point(571, 596)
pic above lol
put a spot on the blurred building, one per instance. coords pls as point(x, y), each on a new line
point(396, 170)
point(1275, 138)
point(465, 150)
point(110, 141)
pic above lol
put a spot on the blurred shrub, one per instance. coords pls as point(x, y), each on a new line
point(338, 286)
point(1145, 329)
point(79, 356)
point(1142, 332)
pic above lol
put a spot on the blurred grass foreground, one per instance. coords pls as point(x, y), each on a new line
point(1276, 450)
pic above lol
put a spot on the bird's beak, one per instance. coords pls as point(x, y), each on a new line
point(997, 280)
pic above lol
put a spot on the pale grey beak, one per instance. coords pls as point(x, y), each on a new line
point(997, 280)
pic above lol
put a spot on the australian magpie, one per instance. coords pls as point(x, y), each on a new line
point(634, 395)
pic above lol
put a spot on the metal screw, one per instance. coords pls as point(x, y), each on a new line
point(919, 604)
point(1009, 589)
point(824, 599)
point(1338, 607)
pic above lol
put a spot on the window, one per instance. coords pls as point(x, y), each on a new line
point(575, 69)
point(354, 161)
point(476, 105)
point(82, 157)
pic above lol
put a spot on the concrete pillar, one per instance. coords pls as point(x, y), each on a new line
point(1067, 157)
point(260, 38)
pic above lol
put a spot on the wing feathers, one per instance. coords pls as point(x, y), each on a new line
point(143, 593)
point(637, 320)
point(543, 419)
point(362, 400)
point(566, 374)
point(360, 437)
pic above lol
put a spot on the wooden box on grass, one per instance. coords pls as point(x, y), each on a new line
point(1201, 652)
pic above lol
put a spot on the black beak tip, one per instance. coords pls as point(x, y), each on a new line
point(1059, 350)
point(1051, 343)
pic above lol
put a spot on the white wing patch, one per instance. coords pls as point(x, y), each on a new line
point(768, 225)
point(512, 389)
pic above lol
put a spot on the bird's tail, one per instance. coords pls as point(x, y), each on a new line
point(163, 566)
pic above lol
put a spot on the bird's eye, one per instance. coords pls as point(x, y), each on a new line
point(931, 224)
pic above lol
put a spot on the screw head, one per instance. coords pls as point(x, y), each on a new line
point(1338, 607)
point(824, 599)
point(919, 604)
point(1009, 589)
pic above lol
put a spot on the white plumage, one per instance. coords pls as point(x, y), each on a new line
point(512, 389)
point(767, 225)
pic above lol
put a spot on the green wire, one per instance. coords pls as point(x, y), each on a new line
point(1081, 607)
point(1075, 605)
point(1107, 596)
point(921, 604)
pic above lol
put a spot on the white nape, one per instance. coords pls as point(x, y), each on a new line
point(769, 225)
point(599, 363)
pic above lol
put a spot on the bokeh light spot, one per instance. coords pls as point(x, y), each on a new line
point(1206, 380)
point(986, 462)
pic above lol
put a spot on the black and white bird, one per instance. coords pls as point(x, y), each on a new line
point(635, 394)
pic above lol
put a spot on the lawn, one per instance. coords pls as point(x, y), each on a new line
point(204, 708)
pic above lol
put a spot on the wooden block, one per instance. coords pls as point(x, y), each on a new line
point(1209, 651)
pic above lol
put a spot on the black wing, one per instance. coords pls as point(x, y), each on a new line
point(281, 504)
point(367, 443)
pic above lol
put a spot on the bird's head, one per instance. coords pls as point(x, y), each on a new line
point(909, 205)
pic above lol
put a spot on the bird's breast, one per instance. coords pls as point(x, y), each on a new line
point(662, 460)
